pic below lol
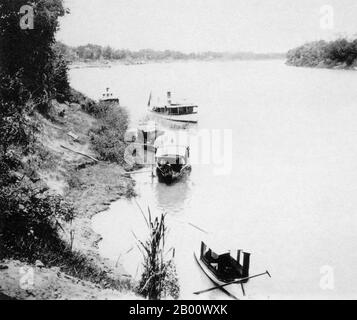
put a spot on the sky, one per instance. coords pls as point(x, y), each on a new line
point(206, 25)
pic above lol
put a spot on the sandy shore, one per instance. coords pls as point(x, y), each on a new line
point(21, 281)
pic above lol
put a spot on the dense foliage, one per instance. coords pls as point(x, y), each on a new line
point(29, 217)
point(91, 52)
point(108, 138)
point(339, 53)
point(30, 74)
point(32, 52)
point(30, 220)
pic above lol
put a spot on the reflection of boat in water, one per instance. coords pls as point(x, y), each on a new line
point(222, 269)
point(174, 111)
point(173, 198)
point(172, 162)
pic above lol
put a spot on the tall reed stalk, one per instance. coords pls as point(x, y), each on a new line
point(159, 279)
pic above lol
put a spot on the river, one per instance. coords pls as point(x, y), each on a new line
point(290, 197)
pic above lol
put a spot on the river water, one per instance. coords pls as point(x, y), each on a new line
point(290, 197)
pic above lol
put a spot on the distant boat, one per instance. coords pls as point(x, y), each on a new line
point(174, 111)
point(223, 268)
point(107, 97)
point(145, 134)
point(172, 162)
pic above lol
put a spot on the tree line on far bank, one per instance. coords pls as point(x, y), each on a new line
point(92, 52)
point(341, 53)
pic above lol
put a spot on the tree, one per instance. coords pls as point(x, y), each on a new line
point(29, 51)
point(108, 53)
point(322, 53)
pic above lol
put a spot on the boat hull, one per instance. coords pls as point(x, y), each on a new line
point(234, 290)
point(184, 118)
point(171, 177)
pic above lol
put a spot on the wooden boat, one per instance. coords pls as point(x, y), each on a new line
point(223, 268)
point(172, 162)
point(174, 111)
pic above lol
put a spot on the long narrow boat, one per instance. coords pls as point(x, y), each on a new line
point(222, 269)
point(174, 111)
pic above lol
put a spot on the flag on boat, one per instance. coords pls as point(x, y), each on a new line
point(149, 102)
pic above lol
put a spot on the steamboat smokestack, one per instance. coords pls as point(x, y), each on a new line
point(169, 101)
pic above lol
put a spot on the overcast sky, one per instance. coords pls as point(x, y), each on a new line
point(201, 25)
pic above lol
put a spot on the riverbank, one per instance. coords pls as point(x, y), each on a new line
point(322, 65)
point(21, 281)
point(112, 63)
point(67, 164)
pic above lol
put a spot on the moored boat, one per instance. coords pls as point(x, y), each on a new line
point(223, 269)
point(174, 111)
point(172, 162)
point(108, 98)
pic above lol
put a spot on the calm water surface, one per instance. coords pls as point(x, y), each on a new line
point(291, 198)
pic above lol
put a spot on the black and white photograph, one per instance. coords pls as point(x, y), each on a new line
point(178, 150)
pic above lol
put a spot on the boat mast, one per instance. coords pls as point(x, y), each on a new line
point(149, 102)
point(169, 100)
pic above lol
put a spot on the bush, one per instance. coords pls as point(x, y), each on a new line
point(30, 220)
point(108, 138)
point(31, 51)
point(59, 79)
point(88, 105)
point(16, 127)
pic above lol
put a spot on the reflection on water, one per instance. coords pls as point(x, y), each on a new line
point(290, 198)
point(173, 198)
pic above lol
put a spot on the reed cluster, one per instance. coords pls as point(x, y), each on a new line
point(159, 278)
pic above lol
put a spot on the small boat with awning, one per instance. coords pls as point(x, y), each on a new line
point(172, 162)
